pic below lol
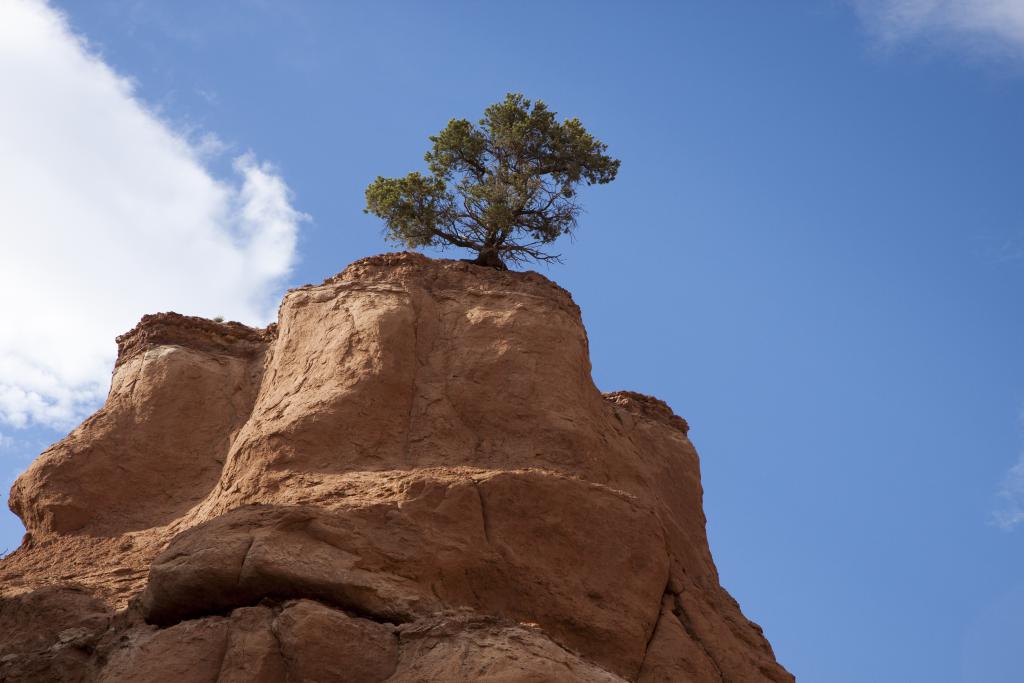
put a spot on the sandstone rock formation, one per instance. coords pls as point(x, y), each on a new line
point(410, 477)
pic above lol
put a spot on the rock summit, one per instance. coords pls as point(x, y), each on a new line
point(409, 477)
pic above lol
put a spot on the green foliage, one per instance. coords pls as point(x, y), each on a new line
point(505, 188)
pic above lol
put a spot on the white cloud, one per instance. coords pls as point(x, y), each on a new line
point(1010, 511)
point(985, 26)
point(107, 213)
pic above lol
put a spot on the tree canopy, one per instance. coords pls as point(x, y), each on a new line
point(505, 188)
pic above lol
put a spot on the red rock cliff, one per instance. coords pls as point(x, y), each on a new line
point(411, 477)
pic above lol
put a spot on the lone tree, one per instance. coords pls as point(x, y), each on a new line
point(505, 188)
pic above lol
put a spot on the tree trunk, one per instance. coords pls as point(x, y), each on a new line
point(490, 259)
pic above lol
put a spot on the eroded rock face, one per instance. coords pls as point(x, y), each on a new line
point(181, 390)
point(411, 477)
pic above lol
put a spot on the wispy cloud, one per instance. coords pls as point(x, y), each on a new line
point(1010, 507)
point(981, 26)
point(108, 212)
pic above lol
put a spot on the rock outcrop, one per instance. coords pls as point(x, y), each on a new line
point(410, 477)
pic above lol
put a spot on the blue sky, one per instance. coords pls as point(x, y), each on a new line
point(814, 251)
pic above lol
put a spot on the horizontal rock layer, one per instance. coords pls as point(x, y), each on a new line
point(410, 477)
